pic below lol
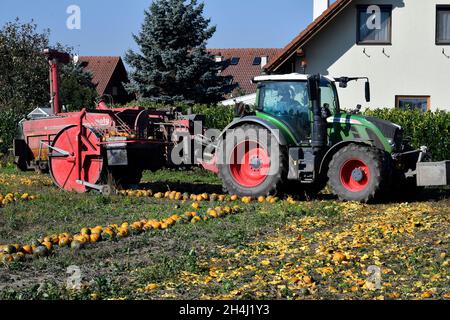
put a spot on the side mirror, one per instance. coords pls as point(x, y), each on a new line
point(367, 89)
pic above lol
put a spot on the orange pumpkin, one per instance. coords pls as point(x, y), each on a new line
point(48, 245)
point(27, 249)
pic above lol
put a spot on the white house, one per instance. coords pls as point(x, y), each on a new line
point(403, 46)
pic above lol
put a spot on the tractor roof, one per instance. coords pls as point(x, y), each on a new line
point(285, 77)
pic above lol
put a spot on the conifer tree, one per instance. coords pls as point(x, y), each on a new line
point(173, 63)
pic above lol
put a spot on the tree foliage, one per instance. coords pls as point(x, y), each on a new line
point(24, 82)
point(173, 63)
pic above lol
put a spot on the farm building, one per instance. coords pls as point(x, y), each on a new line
point(109, 75)
point(403, 46)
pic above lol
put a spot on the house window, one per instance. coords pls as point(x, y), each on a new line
point(413, 102)
point(374, 26)
point(257, 61)
point(443, 25)
point(115, 91)
point(234, 61)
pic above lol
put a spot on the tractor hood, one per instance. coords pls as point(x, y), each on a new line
point(390, 130)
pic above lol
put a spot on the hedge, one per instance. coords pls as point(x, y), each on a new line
point(431, 129)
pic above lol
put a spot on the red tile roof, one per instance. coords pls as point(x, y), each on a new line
point(102, 69)
point(306, 34)
point(244, 71)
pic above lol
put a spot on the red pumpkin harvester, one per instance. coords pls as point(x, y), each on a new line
point(97, 148)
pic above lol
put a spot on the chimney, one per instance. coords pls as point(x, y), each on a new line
point(320, 6)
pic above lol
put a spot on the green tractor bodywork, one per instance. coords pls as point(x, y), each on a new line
point(357, 155)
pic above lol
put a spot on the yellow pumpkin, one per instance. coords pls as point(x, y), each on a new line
point(138, 225)
point(94, 238)
point(156, 225)
point(246, 200)
point(63, 242)
point(195, 205)
point(97, 230)
point(164, 226)
point(85, 231)
point(196, 219)
point(213, 213)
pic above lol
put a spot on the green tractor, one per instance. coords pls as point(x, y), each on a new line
point(297, 139)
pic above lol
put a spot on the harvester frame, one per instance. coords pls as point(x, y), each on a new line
point(97, 149)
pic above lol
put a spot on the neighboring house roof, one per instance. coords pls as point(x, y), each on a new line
point(244, 71)
point(307, 34)
point(102, 69)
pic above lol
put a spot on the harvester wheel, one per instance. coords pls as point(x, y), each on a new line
point(357, 173)
point(63, 159)
point(251, 162)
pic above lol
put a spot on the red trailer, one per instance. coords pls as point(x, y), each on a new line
point(99, 148)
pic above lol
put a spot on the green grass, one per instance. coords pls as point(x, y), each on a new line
point(182, 259)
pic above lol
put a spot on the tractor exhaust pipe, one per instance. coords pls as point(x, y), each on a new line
point(319, 132)
point(54, 57)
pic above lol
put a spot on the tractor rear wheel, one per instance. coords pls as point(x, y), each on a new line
point(357, 173)
point(248, 165)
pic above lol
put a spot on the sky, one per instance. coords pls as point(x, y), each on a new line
point(107, 25)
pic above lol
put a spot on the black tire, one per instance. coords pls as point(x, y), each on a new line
point(372, 183)
point(21, 164)
point(271, 183)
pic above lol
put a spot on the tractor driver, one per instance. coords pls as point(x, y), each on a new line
point(287, 104)
point(295, 112)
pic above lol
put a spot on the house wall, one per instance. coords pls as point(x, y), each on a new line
point(119, 77)
point(412, 65)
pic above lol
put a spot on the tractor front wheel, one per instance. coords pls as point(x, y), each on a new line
point(357, 173)
point(251, 162)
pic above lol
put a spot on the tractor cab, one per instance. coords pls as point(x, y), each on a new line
point(287, 98)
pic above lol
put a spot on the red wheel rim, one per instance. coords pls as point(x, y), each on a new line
point(355, 175)
point(249, 164)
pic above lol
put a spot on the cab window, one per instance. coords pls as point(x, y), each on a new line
point(289, 103)
point(328, 96)
point(284, 98)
